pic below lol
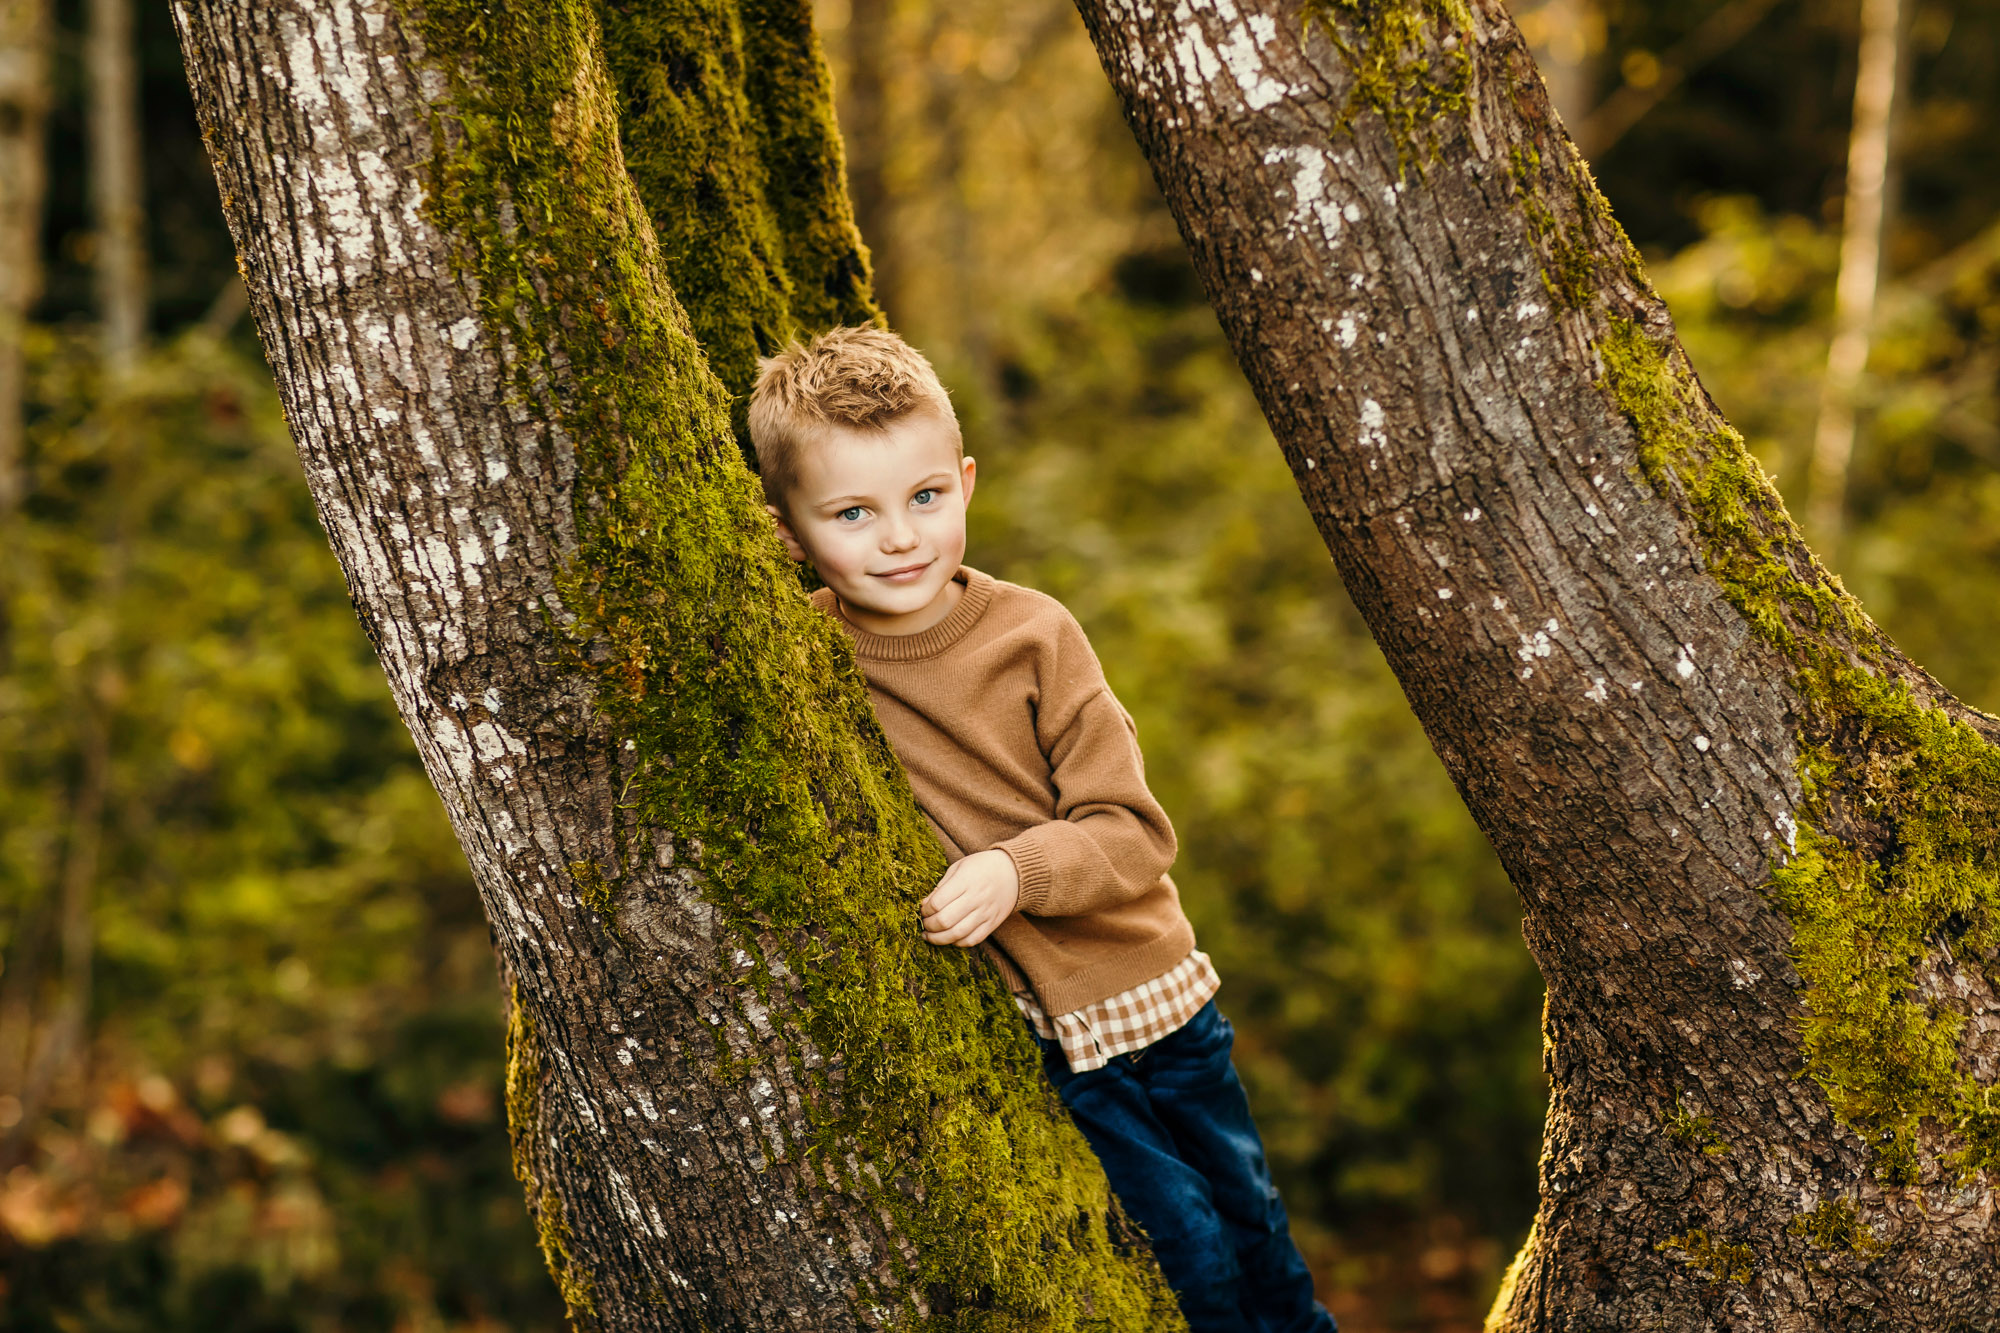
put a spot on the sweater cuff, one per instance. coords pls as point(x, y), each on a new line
point(1031, 867)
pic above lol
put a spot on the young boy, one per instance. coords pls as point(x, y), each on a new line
point(1030, 773)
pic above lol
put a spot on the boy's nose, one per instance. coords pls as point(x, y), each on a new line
point(899, 534)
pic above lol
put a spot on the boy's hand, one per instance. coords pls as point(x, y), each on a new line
point(974, 897)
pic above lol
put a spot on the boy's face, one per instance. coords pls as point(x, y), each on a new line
point(881, 514)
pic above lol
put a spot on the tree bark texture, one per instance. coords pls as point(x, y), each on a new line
point(743, 1093)
point(1755, 846)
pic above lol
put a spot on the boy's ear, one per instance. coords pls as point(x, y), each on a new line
point(786, 535)
point(968, 469)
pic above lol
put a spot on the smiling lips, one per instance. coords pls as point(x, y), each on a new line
point(906, 574)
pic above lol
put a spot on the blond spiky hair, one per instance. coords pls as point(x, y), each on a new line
point(858, 378)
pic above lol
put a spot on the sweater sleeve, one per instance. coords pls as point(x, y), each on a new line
point(1110, 840)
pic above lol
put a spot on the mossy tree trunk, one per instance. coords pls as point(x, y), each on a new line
point(1757, 848)
point(743, 1093)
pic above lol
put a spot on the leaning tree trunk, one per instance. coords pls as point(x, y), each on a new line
point(743, 1093)
point(1751, 839)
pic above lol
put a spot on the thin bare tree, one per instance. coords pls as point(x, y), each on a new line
point(117, 183)
point(1862, 223)
point(24, 106)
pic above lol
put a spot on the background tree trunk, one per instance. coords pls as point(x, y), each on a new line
point(1750, 838)
point(117, 186)
point(870, 54)
point(24, 107)
point(1863, 222)
point(743, 1093)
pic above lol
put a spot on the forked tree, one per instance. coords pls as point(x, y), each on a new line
point(511, 263)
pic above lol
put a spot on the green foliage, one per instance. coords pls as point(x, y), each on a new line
point(286, 1113)
point(752, 733)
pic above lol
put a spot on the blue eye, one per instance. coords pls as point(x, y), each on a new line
point(929, 491)
point(849, 514)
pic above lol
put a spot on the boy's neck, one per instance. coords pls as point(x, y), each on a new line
point(910, 622)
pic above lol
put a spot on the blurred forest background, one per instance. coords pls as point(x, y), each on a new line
point(249, 1030)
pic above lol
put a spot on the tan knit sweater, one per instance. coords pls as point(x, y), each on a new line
point(1013, 740)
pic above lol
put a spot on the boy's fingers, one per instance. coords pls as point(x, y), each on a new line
point(947, 892)
point(965, 930)
point(951, 926)
point(957, 912)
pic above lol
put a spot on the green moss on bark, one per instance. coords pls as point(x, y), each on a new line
point(1715, 1257)
point(1922, 789)
point(750, 729)
point(1835, 1224)
point(1410, 64)
point(523, 1094)
point(730, 140)
point(1572, 256)
point(1696, 1131)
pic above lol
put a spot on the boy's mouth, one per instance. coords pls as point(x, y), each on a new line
point(904, 574)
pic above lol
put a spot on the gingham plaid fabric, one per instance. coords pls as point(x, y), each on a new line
point(1090, 1036)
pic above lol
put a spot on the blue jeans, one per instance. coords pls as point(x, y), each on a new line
point(1173, 1130)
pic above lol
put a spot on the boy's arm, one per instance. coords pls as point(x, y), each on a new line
point(1110, 840)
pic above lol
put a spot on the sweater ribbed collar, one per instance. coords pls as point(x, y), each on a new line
point(972, 604)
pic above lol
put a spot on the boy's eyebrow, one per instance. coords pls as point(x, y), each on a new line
point(838, 502)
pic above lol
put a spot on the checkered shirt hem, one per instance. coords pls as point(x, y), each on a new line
point(1138, 1017)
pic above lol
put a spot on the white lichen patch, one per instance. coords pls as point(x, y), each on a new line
point(1241, 56)
point(1539, 644)
point(1196, 60)
point(1311, 204)
point(1372, 421)
point(494, 741)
